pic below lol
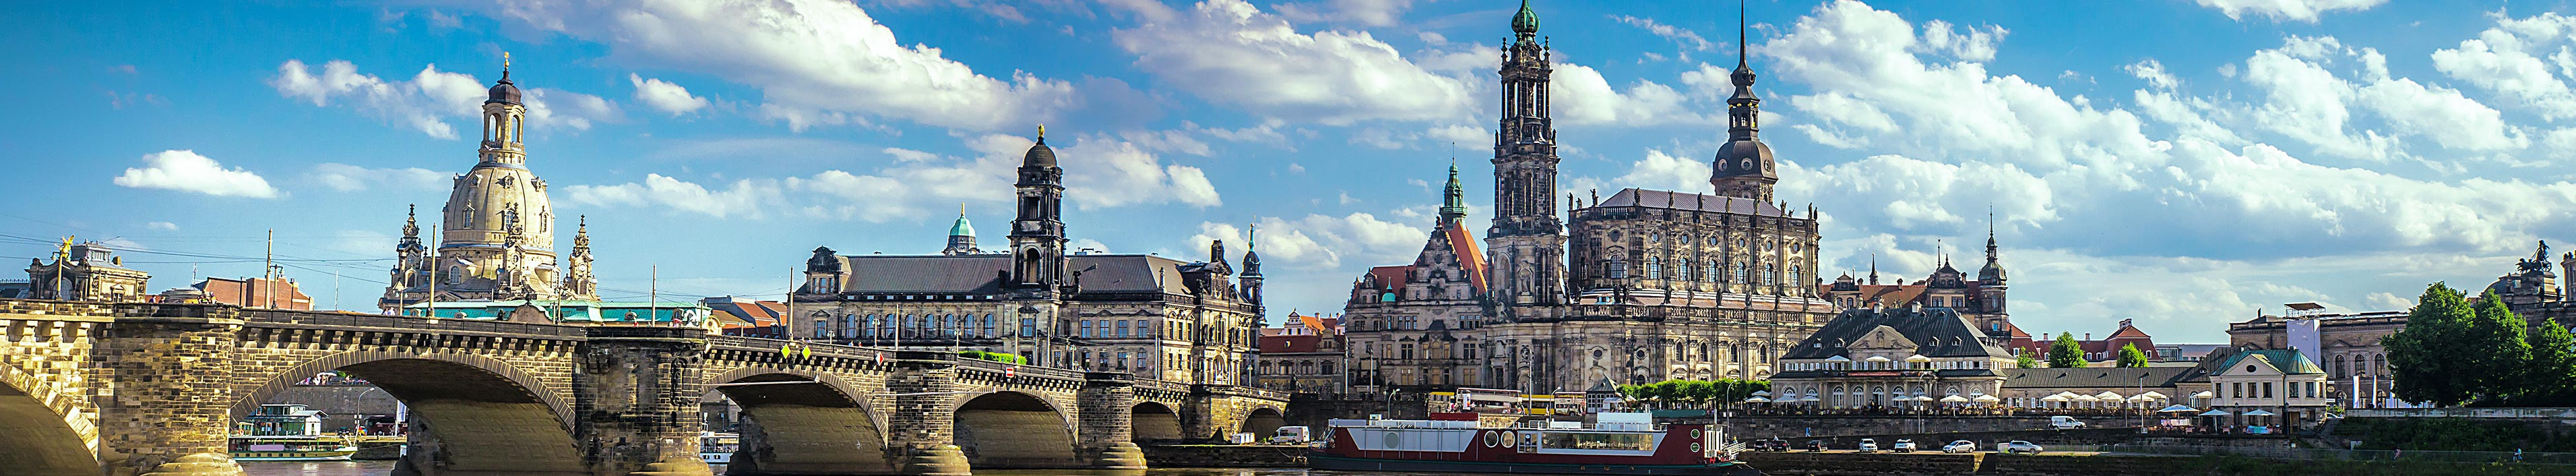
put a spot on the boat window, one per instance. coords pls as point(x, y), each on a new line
point(1599, 441)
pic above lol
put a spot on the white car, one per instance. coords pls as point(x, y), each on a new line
point(1961, 446)
point(2018, 446)
point(2062, 422)
point(1902, 446)
point(1868, 445)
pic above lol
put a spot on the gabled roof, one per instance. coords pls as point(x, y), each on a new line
point(1937, 332)
point(1637, 197)
point(2128, 332)
point(2287, 360)
point(1463, 243)
point(1389, 277)
point(2150, 377)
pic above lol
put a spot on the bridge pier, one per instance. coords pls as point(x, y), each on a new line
point(1106, 409)
point(922, 428)
point(637, 401)
point(168, 390)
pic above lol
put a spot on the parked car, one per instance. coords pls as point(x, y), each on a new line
point(2063, 422)
point(1815, 445)
point(1868, 445)
point(1772, 445)
point(1961, 446)
point(2018, 446)
point(1902, 446)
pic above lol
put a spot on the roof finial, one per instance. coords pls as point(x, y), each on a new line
point(1740, 48)
point(1041, 133)
point(1251, 239)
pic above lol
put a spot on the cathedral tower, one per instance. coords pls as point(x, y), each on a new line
point(1743, 166)
point(1526, 245)
point(1037, 235)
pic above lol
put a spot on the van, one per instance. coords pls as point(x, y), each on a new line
point(2062, 422)
point(1291, 435)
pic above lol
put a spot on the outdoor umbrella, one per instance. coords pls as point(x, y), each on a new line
point(1838, 359)
point(2055, 398)
point(1757, 400)
point(2178, 409)
point(2215, 413)
point(1987, 399)
point(2204, 394)
point(2259, 413)
point(2107, 395)
point(2152, 394)
point(1762, 393)
point(1954, 399)
point(1875, 358)
point(2086, 398)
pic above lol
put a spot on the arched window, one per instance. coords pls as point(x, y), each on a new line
point(1740, 269)
point(885, 325)
point(988, 325)
point(1770, 274)
point(1618, 268)
point(1795, 276)
point(1654, 267)
point(1682, 270)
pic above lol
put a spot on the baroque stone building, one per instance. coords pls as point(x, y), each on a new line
point(1156, 317)
point(496, 235)
point(1879, 358)
point(87, 271)
point(1645, 286)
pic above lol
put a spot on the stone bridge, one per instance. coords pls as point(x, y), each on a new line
point(152, 389)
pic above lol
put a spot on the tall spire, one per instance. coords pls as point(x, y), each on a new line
point(411, 221)
point(1743, 166)
point(1873, 269)
point(1453, 199)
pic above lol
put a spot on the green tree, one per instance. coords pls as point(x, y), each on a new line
point(2423, 356)
point(2022, 359)
point(2552, 378)
point(2497, 371)
point(1699, 392)
point(2130, 356)
point(2065, 353)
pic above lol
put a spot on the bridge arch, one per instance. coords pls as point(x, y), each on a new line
point(37, 436)
point(1010, 429)
point(1263, 422)
point(801, 421)
point(472, 413)
point(1155, 422)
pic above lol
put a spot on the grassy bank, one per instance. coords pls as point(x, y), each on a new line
point(2236, 465)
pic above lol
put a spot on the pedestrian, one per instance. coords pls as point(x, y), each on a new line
point(2517, 454)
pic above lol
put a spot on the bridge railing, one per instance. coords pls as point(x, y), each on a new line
point(1028, 370)
point(773, 346)
point(405, 323)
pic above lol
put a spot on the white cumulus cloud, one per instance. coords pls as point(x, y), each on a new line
point(185, 171)
point(352, 178)
point(431, 98)
point(664, 96)
point(1230, 52)
point(2293, 10)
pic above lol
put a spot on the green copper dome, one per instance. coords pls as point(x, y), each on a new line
point(961, 228)
point(1526, 22)
point(1453, 199)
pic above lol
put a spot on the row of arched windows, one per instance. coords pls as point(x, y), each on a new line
point(853, 326)
point(1681, 271)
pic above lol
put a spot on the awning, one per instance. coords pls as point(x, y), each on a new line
point(2215, 413)
point(2260, 413)
point(2177, 409)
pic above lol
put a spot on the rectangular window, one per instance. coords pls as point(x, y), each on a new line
point(2237, 390)
point(1598, 441)
point(2267, 389)
point(1122, 328)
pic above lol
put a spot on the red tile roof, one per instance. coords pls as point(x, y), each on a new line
point(1389, 277)
point(1464, 243)
point(1290, 344)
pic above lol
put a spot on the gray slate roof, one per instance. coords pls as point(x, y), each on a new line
point(981, 274)
point(2093, 377)
point(1932, 329)
point(1638, 197)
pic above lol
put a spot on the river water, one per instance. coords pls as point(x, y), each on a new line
point(381, 468)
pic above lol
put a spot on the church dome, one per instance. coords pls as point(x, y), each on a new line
point(1743, 157)
point(503, 91)
point(961, 228)
point(1039, 155)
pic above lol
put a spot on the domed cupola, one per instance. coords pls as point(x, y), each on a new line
point(504, 91)
point(1039, 155)
point(1526, 22)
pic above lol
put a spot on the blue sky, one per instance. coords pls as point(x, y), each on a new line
point(2183, 163)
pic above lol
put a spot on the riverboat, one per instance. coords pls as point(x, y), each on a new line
point(1617, 443)
point(718, 448)
point(291, 448)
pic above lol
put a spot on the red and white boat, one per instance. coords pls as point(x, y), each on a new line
point(1618, 443)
